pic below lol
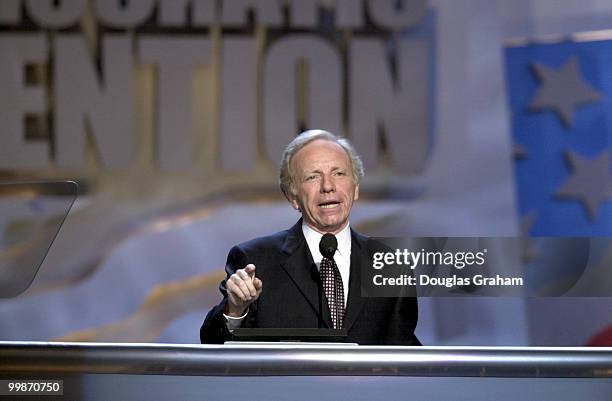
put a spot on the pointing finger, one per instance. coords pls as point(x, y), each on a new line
point(250, 269)
point(248, 281)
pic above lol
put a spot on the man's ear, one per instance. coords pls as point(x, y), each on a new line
point(294, 203)
point(356, 193)
point(292, 199)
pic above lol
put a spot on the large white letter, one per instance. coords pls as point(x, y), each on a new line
point(304, 13)
point(401, 108)
point(267, 12)
point(52, 14)
point(349, 14)
point(385, 13)
point(106, 103)
point(176, 59)
point(124, 14)
point(323, 102)
point(174, 12)
point(15, 52)
point(238, 100)
point(10, 12)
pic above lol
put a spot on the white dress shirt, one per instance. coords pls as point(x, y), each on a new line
point(342, 257)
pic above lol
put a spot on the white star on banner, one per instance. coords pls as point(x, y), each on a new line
point(561, 90)
point(590, 181)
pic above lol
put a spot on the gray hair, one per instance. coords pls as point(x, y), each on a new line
point(286, 179)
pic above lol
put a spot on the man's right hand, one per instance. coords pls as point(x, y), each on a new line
point(243, 288)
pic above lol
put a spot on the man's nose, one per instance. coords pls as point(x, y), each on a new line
point(328, 184)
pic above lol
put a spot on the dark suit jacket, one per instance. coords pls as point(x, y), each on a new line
point(290, 296)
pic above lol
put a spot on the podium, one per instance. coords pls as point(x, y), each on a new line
point(104, 371)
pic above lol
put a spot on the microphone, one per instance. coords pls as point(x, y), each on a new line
point(328, 245)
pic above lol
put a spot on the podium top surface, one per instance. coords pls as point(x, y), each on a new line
point(303, 360)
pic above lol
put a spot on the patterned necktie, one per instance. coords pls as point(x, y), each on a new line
point(334, 291)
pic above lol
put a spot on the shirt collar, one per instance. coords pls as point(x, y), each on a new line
point(314, 237)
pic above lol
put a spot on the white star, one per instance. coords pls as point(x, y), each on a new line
point(561, 90)
point(590, 182)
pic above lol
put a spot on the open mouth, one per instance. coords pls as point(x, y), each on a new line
point(329, 205)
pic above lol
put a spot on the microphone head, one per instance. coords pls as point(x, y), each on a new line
point(328, 245)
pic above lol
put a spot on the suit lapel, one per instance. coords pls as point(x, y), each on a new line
point(355, 299)
point(300, 266)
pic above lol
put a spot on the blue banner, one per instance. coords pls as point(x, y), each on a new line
point(559, 98)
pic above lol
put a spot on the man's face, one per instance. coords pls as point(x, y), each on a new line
point(324, 184)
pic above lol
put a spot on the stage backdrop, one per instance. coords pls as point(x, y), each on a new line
point(172, 115)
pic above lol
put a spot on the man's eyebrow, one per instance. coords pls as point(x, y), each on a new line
point(319, 171)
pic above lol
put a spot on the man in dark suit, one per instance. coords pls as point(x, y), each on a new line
point(320, 176)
